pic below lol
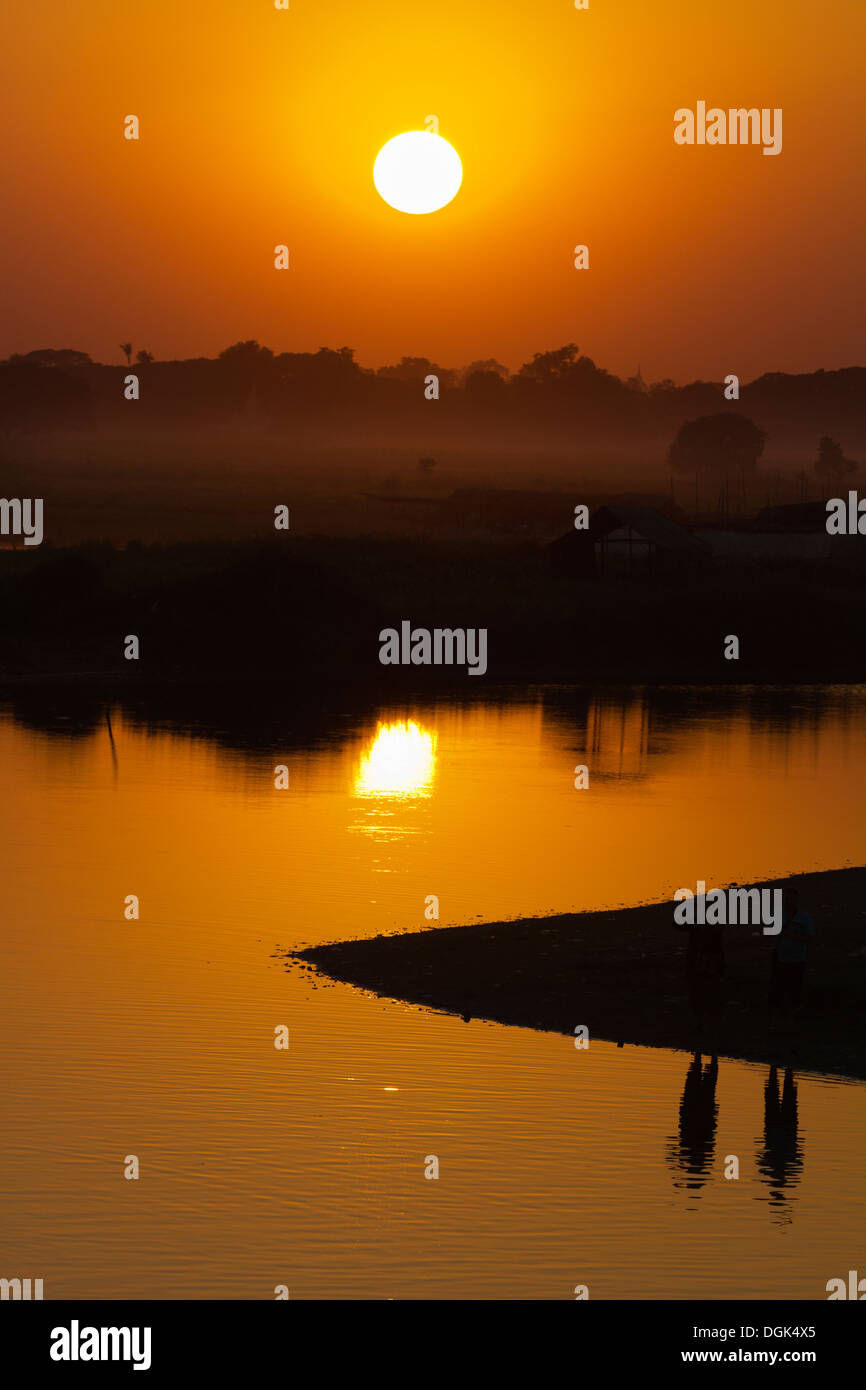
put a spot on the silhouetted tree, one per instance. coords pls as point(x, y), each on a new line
point(717, 444)
point(53, 357)
point(143, 357)
point(126, 349)
point(485, 384)
point(488, 365)
point(245, 368)
point(249, 351)
point(416, 369)
point(546, 367)
point(573, 382)
point(831, 462)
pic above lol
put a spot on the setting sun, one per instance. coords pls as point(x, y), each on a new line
point(417, 172)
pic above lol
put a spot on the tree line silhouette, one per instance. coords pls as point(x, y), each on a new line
point(558, 396)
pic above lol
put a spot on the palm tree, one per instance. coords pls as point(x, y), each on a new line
point(126, 348)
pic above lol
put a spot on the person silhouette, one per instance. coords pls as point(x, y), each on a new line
point(788, 958)
point(705, 970)
point(780, 1160)
point(692, 1151)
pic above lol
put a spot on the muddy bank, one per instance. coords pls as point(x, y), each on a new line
point(622, 974)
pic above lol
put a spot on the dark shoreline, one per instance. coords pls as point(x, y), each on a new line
point(311, 611)
point(622, 974)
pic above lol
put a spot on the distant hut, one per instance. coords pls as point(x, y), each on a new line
point(623, 539)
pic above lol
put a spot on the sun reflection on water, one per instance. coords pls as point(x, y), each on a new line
point(400, 762)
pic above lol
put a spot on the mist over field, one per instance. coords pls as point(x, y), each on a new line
point(210, 446)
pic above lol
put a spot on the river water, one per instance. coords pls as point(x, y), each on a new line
point(305, 1167)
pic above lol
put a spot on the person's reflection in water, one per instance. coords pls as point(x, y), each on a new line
point(780, 1161)
point(691, 1154)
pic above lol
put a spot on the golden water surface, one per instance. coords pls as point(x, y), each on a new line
point(305, 1167)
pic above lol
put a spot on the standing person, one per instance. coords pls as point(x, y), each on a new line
point(788, 957)
point(705, 970)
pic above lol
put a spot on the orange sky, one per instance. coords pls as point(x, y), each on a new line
point(260, 127)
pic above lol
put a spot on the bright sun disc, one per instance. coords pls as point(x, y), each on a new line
point(417, 172)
